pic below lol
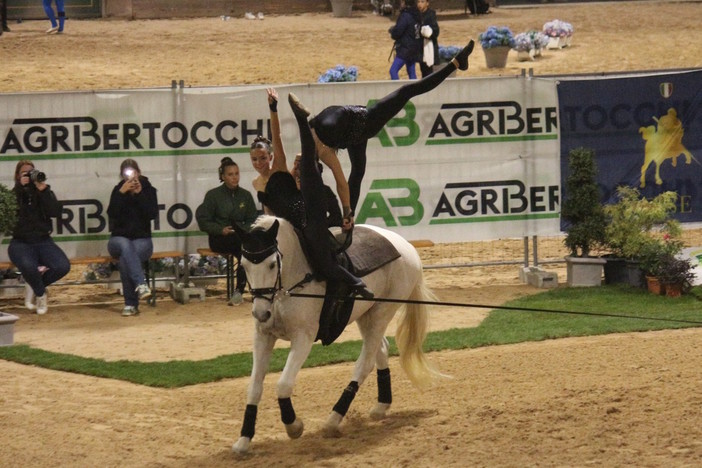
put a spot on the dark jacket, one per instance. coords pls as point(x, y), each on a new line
point(130, 215)
point(34, 212)
point(408, 41)
point(429, 19)
point(223, 207)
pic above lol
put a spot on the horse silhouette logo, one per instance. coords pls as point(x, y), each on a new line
point(664, 142)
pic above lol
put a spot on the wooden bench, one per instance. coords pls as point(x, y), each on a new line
point(231, 270)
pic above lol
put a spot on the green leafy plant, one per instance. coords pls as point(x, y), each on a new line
point(582, 209)
point(8, 210)
point(636, 226)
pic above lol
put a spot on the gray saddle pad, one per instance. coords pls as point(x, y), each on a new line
point(369, 251)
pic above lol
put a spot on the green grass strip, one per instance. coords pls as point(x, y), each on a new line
point(644, 312)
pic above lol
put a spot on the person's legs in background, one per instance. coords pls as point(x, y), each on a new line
point(231, 245)
point(395, 68)
point(131, 255)
point(61, 15)
point(49, 10)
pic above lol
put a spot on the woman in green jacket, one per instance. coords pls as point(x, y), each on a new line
point(223, 206)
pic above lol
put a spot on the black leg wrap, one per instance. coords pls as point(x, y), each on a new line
point(384, 386)
point(342, 406)
point(249, 427)
point(287, 413)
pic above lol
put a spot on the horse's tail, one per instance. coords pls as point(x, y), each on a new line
point(410, 334)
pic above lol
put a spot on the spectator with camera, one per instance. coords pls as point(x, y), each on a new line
point(133, 205)
point(223, 207)
point(32, 249)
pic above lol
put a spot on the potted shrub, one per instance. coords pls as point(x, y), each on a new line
point(560, 33)
point(8, 210)
point(585, 219)
point(529, 44)
point(496, 42)
point(634, 227)
point(8, 218)
point(674, 274)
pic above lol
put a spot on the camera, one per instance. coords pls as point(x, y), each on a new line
point(129, 173)
point(36, 175)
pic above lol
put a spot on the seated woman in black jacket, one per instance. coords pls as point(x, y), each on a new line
point(133, 205)
point(31, 249)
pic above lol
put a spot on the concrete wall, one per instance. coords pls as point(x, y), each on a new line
point(149, 9)
point(152, 9)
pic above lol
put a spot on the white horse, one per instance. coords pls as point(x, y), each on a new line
point(275, 263)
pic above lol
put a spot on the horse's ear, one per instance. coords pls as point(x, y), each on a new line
point(241, 232)
point(273, 230)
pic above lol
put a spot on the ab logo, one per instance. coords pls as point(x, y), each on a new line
point(377, 205)
point(664, 142)
point(405, 120)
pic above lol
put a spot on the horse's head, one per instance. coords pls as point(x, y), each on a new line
point(261, 260)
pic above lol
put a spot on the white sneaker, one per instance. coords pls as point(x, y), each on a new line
point(42, 304)
point(236, 299)
point(143, 291)
point(260, 15)
point(250, 16)
point(52, 30)
point(29, 297)
point(128, 311)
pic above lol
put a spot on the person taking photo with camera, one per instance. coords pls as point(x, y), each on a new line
point(31, 248)
point(133, 205)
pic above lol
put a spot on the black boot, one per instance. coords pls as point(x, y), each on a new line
point(462, 56)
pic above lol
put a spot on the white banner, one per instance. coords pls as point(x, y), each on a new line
point(473, 159)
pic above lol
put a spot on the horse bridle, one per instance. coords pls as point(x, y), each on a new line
point(270, 293)
point(256, 258)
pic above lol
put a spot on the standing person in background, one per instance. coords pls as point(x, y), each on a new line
point(408, 41)
point(222, 207)
point(56, 27)
point(133, 205)
point(3, 17)
point(31, 249)
point(430, 33)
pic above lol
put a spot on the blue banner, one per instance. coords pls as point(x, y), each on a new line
point(646, 132)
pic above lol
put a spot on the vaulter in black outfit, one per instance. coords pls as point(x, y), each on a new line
point(306, 210)
point(351, 126)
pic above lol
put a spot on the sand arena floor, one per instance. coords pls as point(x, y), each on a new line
point(617, 400)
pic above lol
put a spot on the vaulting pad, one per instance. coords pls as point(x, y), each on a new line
point(370, 251)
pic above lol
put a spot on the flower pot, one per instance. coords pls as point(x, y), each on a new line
point(554, 43)
point(526, 55)
point(496, 57)
point(654, 286)
point(615, 271)
point(673, 290)
point(341, 8)
point(584, 271)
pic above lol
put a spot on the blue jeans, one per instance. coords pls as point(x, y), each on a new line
point(27, 257)
point(397, 65)
point(131, 253)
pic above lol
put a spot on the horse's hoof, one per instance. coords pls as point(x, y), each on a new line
point(295, 429)
point(331, 427)
point(242, 445)
point(331, 432)
point(379, 411)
